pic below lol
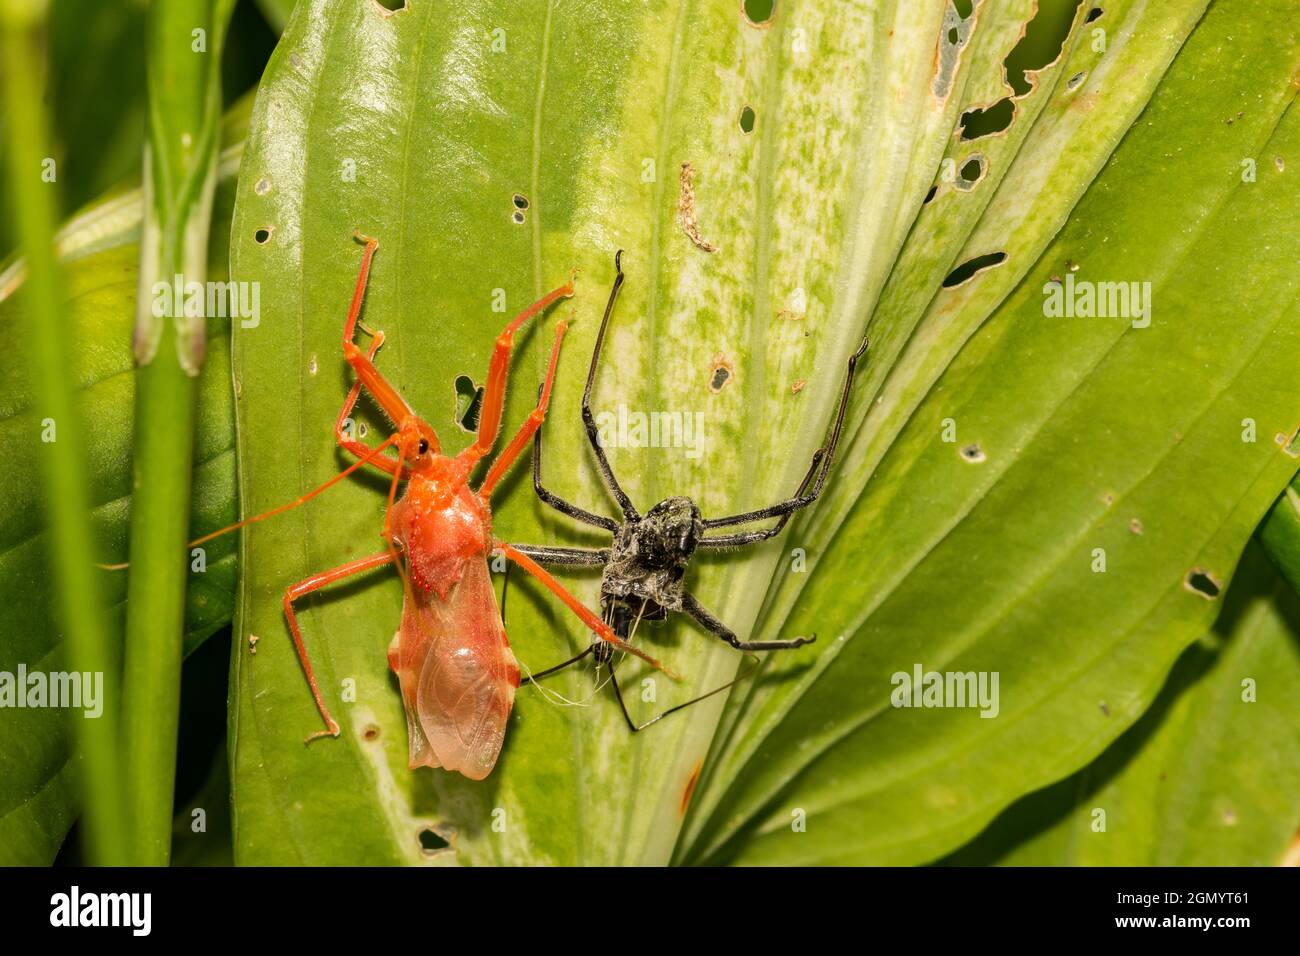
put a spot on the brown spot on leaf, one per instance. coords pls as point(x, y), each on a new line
point(686, 205)
point(689, 790)
point(721, 372)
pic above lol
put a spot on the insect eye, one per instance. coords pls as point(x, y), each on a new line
point(424, 446)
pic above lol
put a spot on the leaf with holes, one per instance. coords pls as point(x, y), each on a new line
point(945, 176)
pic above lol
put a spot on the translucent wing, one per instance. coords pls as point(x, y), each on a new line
point(458, 674)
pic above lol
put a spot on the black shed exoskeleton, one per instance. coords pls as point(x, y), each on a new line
point(644, 568)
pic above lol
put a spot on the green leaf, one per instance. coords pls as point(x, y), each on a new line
point(1210, 776)
point(99, 250)
point(1085, 434)
point(420, 127)
point(1279, 534)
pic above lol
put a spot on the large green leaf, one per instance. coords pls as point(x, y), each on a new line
point(421, 126)
point(1210, 776)
point(100, 251)
point(1092, 435)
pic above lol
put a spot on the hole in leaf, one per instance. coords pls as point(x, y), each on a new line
point(1076, 81)
point(963, 8)
point(972, 266)
point(1202, 582)
point(720, 374)
point(393, 5)
point(469, 403)
point(973, 453)
point(930, 195)
point(953, 36)
point(747, 119)
point(262, 235)
point(972, 170)
point(1094, 13)
point(518, 217)
point(985, 122)
point(1044, 37)
point(431, 841)
point(521, 202)
point(759, 11)
point(1042, 43)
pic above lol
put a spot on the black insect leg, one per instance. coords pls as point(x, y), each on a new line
point(637, 728)
point(554, 500)
point(804, 496)
point(576, 557)
point(560, 666)
point(718, 629)
point(624, 502)
point(572, 557)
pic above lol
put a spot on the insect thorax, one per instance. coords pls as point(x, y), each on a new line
point(648, 560)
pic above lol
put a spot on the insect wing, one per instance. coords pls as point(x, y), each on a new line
point(458, 675)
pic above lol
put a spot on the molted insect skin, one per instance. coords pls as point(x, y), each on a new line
point(648, 560)
point(457, 672)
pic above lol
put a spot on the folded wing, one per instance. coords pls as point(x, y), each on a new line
point(458, 675)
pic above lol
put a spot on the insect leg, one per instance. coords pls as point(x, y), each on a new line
point(530, 425)
point(505, 589)
point(576, 557)
point(494, 390)
point(555, 501)
point(304, 587)
point(595, 624)
point(720, 630)
point(636, 728)
point(561, 666)
point(389, 399)
point(372, 454)
point(752, 537)
point(801, 499)
point(360, 449)
point(588, 420)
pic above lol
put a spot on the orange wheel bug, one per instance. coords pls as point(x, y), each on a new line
point(457, 672)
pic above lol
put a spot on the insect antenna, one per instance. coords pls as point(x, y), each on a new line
point(280, 509)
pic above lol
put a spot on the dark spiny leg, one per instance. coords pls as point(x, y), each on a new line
point(718, 629)
point(624, 502)
point(561, 666)
point(558, 503)
point(753, 537)
point(801, 499)
point(636, 728)
point(576, 557)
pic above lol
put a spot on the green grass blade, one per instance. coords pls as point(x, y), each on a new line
point(184, 49)
point(63, 463)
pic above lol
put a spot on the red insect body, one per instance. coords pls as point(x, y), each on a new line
point(457, 673)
